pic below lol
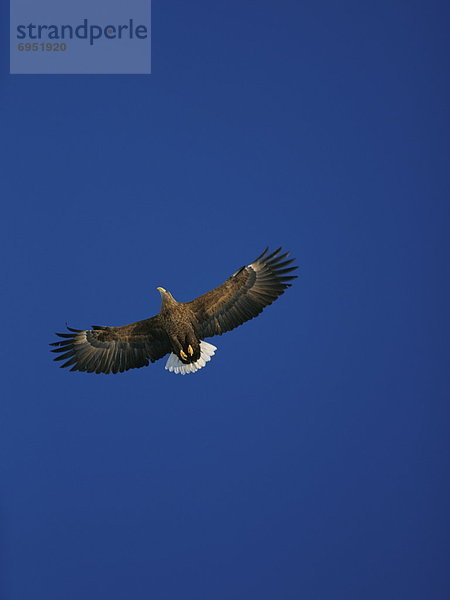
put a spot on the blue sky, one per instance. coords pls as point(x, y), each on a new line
point(310, 458)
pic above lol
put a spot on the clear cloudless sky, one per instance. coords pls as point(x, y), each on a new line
point(310, 458)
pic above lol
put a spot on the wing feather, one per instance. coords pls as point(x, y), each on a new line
point(244, 295)
point(112, 349)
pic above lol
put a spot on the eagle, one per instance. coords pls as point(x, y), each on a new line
point(180, 328)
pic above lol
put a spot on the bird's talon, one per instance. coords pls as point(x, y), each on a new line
point(183, 354)
point(190, 350)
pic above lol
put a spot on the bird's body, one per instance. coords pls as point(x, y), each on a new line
point(180, 327)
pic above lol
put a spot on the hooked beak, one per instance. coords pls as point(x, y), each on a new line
point(161, 290)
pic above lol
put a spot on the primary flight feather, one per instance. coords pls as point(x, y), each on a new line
point(180, 327)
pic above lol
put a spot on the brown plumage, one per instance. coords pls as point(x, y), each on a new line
point(180, 327)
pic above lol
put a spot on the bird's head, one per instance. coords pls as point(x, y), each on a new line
point(166, 297)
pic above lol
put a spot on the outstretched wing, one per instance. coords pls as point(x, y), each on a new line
point(113, 349)
point(244, 295)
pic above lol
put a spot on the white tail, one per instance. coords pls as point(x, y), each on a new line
point(174, 364)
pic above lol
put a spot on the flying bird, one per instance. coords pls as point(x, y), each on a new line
point(180, 328)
